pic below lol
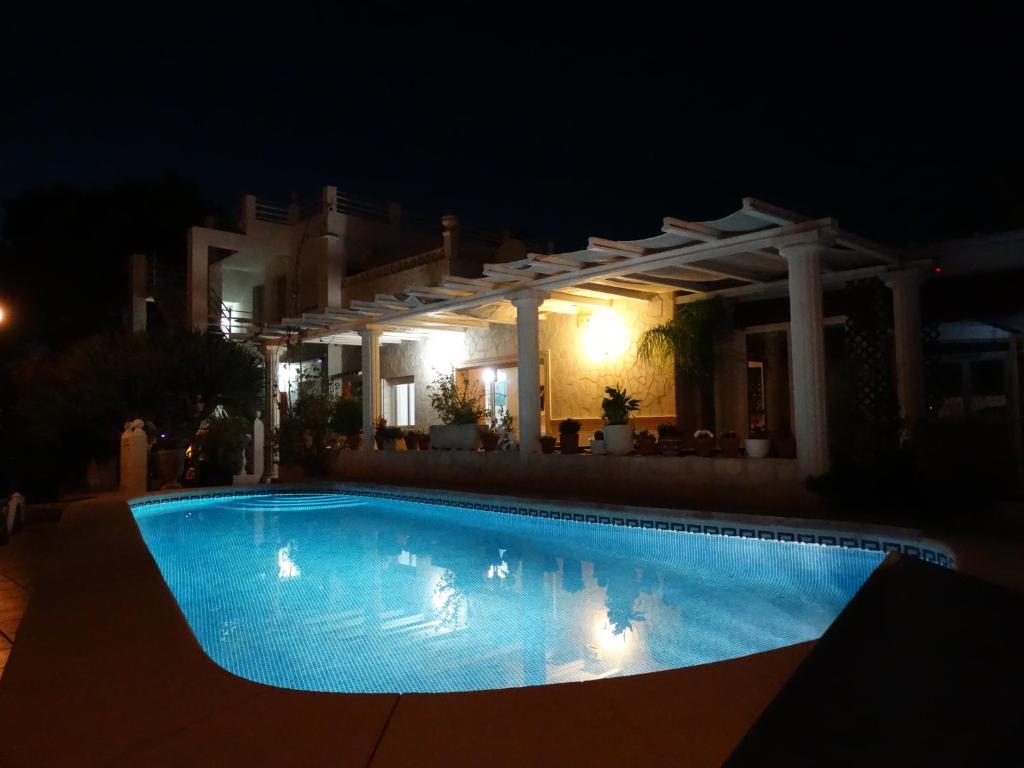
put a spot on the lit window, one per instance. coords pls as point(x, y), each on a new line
point(399, 401)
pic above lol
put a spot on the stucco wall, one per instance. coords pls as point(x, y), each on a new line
point(579, 369)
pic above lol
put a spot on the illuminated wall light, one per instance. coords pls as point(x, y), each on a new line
point(444, 349)
point(604, 335)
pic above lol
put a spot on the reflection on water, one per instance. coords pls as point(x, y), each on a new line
point(286, 567)
point(405, 597)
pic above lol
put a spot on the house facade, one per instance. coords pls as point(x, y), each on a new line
point(830, 335)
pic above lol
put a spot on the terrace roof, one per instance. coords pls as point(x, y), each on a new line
point(737, 255)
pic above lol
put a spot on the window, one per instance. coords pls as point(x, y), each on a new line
point(398, 398)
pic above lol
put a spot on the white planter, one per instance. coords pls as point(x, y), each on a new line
point(456, 437)
point(597, 447)
point(758, 448)
point(618, 439)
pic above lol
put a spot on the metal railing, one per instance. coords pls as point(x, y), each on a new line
point(274, 214)
point(229, 321)
point(356, 207)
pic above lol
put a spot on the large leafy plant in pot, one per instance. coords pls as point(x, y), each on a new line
point(222, 448)
point(458, 405)
point(347, 419)
point(616, 408)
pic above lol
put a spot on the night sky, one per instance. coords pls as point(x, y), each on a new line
point(560, 125)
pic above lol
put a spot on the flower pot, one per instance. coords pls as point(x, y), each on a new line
point(547, 444)
point(379, 441)
point(389, 444)
point(646, 446)
point(489, 440)
point(424, 441)
point(570, 442)
point(597, 447)
point(456, 437)
point(705, 446)
point(411, 442)
point(170, 465)
point(729, 446)
point(670, 444)
point(758, 447)
point(618, 439)
point(355, 442)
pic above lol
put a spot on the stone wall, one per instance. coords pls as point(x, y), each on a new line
point(691, 482)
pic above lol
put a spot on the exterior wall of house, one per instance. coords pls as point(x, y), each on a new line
point(579, 369)
point(429, 273)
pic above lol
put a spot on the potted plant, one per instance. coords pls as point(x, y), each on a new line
point(618, 432)
point(569, 433)
point(729, 444)
point(412, 440)
point(169, 458)
point(597, 446)
point(758, 444)
point(378, 432)
point(669, 438)
point(547, 443)
point(705, 442)
point(222, 447)
point(646, 444)
point(489, 438)
point(388, 437)
point(459, 409)
point(507, 442)
point(347, 419)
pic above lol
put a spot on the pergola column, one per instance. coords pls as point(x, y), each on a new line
point(271, 411)
point(527, 304)
point(906, 305)
point(371, 383)
point(807, 332)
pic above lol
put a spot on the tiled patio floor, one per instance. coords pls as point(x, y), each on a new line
point(20, 561)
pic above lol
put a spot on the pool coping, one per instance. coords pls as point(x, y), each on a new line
point(107, 671)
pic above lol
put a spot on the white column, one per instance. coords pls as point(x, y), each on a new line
point(807, 332)
point(527, 304)
point(906, 305)
point(371, 384)
point(271, 414)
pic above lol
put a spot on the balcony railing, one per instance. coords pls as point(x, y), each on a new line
point(274, 214)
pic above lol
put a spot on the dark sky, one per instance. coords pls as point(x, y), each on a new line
point(903, 124)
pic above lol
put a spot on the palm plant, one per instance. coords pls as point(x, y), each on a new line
point(689, 339)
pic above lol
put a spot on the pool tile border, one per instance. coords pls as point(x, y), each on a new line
point(928, 551)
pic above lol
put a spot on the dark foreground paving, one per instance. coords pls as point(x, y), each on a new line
point(925, 666)
point(106, 672)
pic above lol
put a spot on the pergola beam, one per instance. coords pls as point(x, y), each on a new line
point(828, 278)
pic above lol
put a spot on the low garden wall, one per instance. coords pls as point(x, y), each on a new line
point(690, 482)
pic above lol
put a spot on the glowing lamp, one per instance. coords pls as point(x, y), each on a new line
point(604, 336)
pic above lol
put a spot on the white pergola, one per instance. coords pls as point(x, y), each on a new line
point(758, 250)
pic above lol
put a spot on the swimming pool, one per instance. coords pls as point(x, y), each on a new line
point(351, 593)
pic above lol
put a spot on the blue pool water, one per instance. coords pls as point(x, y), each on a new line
point(330, 592)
